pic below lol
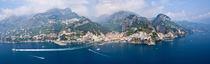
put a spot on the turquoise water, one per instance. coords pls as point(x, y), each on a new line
point(192, 49)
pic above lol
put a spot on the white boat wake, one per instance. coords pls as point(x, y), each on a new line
point(97, 53)
point(61, 49)
point(42, 58)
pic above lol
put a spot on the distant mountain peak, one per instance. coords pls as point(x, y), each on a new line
point(163, 17)
point(122, 13)
point(162, 23)
point(57, 14)
point(67, 9)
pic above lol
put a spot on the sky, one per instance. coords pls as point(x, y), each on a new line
point(190, 10)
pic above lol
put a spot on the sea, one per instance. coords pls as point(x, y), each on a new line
point(191, 49)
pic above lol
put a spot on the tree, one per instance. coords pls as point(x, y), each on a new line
point(63, 37)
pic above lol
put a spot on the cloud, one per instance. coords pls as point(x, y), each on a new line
point(184, 16)
point(2, 17)
point(141, 7)
point(38, 6)
point(152, 11)
point(43, 5)
point(153, 3)
point(202, 16)
point(164, 1)
point(111, 6)
point(178, 15)
point(98, 7)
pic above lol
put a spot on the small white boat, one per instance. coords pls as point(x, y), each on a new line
point(98, 49)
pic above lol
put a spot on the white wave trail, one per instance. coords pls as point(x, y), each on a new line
point(97, 53)
point(62, 49)
point(39, 57)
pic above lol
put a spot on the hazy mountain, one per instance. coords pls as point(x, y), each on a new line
point(37, 20)
point(52, 21)
point(205, 21)
point(13, 22)
point(55, 14)
point(197, 27)
point(114, 20)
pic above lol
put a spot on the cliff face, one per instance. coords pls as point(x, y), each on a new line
point(163, 24)
point(129, 21)
point(114, 21)
point(161, 28)
point(136, 22)
point(85, 25)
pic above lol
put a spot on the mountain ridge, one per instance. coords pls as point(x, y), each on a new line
point(65, 25)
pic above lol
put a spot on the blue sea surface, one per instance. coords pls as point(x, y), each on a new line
point(192, 49)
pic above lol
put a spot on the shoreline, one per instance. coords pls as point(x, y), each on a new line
point(63, 43)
